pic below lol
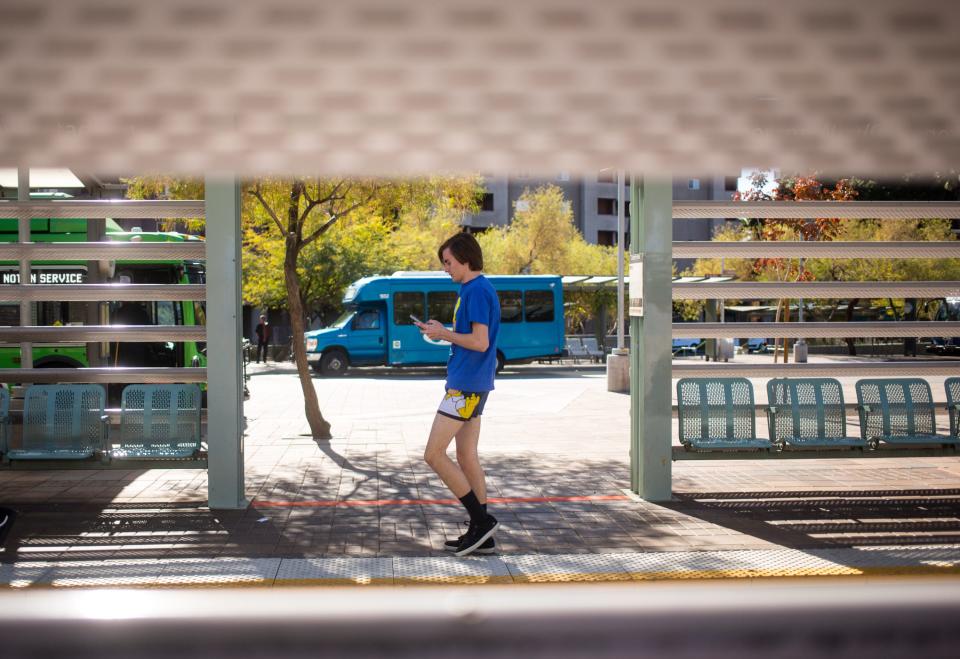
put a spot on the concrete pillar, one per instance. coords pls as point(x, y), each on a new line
point(224, 368)
point(651, 230)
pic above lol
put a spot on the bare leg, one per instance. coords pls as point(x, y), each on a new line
point(441, 434)
point(467, 439)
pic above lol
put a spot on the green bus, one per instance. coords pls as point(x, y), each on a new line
point(73, 355)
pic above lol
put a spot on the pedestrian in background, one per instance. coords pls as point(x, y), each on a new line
point(471, 368)
point(263, 338)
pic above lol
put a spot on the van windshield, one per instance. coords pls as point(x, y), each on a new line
point(343, 319)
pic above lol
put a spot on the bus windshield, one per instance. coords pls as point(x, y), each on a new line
point(342, 320)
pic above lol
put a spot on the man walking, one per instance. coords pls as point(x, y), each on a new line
point(263, 338)
point(470, 372)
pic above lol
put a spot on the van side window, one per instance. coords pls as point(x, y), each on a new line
point(511, 306)
point(440, 305)
point(367, 320)
point(539, 306)
point(405, 305)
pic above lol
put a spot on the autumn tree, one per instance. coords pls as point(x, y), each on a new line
point(797, 188)
point(543, 239)
point(286, 220)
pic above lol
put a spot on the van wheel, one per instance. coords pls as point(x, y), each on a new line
point(334, 363)
point(500, 361)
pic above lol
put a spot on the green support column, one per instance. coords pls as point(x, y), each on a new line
point(651, 234)
point(224, 368)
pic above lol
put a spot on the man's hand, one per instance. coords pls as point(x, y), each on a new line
point(435, 330)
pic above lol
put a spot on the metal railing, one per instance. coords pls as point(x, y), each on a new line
point(816, 290)
point(26, 252)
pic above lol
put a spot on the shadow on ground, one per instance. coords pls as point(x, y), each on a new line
point(360, 504)
point(843, 518)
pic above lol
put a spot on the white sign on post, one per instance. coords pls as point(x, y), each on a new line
point(636, 285)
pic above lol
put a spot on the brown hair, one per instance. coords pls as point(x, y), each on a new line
point(465, 249)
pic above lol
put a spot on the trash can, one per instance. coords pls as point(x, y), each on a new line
point(725, 349)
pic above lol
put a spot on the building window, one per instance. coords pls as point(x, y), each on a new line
point(730, 183)
point(607, 238)
point(693, 184)
point(486, 204)
point(606, 206)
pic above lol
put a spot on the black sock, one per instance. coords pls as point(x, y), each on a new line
point(484, 507)
point(474, 507)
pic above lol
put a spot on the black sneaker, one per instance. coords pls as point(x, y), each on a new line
point(476, 535)
point(488, 547)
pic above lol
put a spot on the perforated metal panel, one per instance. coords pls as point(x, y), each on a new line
point(808, 412)
point(377, 86)
point(717, 413)
point(897, 411)
point(952, 386)
point(62, 421)
point(159, 421)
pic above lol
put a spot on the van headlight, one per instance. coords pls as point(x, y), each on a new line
point(311, 344)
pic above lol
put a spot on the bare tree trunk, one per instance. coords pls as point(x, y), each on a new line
point(319, 427)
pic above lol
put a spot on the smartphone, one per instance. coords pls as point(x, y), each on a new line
point(416, 320)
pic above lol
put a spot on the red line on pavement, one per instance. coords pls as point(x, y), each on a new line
point(430, 502)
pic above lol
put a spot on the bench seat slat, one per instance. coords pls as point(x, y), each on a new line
point(159, 421)
point(718, 414)
point(809, 413)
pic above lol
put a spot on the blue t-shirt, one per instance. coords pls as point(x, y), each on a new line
point(469, 370)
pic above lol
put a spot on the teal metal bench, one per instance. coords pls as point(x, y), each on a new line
point(62, 422)
point(4, 419)
point(808, 413)
point(952, 385)
point(898, 412)
point(718, 414)
point(159, 421)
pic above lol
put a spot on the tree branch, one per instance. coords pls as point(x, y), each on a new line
point(313, 203)
point(336, 216)
point(263, 202)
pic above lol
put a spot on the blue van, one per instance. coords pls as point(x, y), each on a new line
point(376, 328)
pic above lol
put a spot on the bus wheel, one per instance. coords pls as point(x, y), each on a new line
point(500, 361)
point(334, 363)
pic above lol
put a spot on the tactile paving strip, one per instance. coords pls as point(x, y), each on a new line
point(219, 572)
point(564, 568)
point(733, 565)
point(335, 571)
point(222, 572)
point(451, 570)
